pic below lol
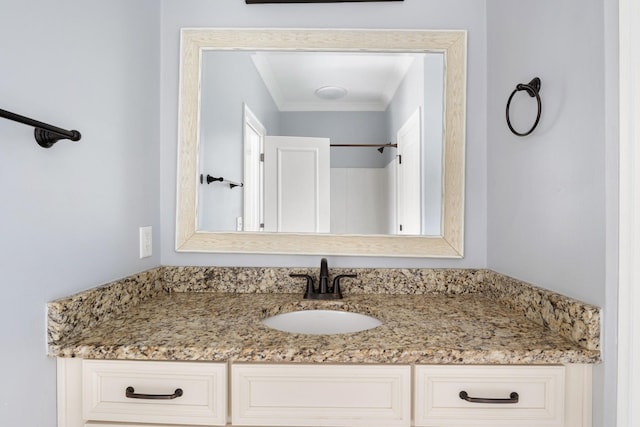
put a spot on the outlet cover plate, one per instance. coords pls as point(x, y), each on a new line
point(146, 242)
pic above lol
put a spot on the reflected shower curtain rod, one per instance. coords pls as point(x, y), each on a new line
point(364, 145)
point(380, 149)
point(46, 135)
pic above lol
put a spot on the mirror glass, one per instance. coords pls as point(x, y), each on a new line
point(321, 141)
point(375, 108)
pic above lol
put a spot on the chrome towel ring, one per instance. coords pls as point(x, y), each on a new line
point(533, 89)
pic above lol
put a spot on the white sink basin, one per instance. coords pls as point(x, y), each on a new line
point(321, 322)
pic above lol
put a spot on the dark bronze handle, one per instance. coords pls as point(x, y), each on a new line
point(130, 393)
point(310, 289)
point(336, 283)
point(513, 398)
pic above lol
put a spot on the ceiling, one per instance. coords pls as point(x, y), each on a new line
point(370, 79)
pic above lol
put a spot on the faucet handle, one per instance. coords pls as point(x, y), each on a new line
point(310, 288)
point(336, 283)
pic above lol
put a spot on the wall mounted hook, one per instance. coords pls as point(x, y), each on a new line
point(532, 88)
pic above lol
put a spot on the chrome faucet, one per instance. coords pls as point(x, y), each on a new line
point(324, 291)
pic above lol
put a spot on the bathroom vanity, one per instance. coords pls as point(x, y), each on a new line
point(149, 351)
point(187, 346)
point(94, 393)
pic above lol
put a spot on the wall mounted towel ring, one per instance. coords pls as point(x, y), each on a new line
point(533, 89)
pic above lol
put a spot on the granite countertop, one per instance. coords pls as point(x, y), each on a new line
point(224, 326)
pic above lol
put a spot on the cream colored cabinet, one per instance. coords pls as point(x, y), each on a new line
point(513, 396)
point(96, 393)
point(101, 393)
point(321, 395)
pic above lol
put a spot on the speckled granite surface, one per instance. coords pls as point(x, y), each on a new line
point(66, 317)
point(277, 280)
point(574, 320)
point(430, 316)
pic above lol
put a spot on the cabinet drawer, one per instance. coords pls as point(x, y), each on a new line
point(540, 396)
point(321, 395)
point(192, 393)
point(110, 424)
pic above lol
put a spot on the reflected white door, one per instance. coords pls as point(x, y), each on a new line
point(252, 212)
point(297, 184)
point(409, 176)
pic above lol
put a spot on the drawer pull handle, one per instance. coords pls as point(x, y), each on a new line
point(513, 398)
point(130, 393)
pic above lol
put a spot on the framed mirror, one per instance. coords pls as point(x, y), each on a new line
point(206, 53)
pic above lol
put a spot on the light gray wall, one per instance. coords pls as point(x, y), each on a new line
point(70, 214)
point(548, 192)
point(432, 130)
point(428, 14)
point(428, 75)
point(229, 81)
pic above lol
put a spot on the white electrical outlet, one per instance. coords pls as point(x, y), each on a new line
point(146, 242)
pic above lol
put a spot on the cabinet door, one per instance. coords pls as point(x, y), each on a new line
point(320, 395)
point(154, 392)
point(514, 396)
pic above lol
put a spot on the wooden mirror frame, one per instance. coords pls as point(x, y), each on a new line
point(452, 44)
point(311, 1)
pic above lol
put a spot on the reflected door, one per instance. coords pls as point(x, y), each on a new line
point(254, 134)
point(409, 176)
point(297, 190)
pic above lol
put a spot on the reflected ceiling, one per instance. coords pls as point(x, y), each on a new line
point(370, 80)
